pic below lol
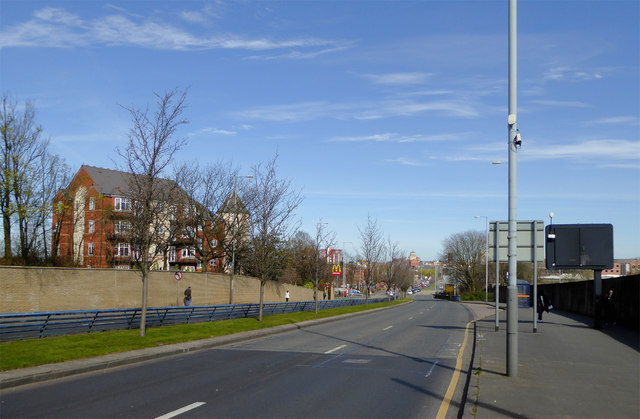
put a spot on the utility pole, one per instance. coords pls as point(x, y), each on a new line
point(514, 144)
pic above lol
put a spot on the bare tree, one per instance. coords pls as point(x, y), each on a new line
point(272, 203)
point(463, 253)
point(393, 274)
point(30, 176)
point(205, 214)
point(372, 248)
point(323, 240)
point(149, 151)
point(301, 257)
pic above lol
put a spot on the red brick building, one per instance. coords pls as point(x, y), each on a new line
point(92, 220)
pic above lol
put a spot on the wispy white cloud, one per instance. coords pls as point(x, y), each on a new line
point(618, 120)
point(399, 78)
point(57, 28)
point(572, 74)
point(300, 55)
point(397, 138)
point(561, 103)
point(603, 151)
point(307, 111)
point(405, 161)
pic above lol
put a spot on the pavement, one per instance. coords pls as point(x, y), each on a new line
point(566, 369)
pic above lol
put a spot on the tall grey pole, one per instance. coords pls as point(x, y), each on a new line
point(233, 245)
point(535, 277)
point(486, 261)
point(495, 239)
point(512, 287)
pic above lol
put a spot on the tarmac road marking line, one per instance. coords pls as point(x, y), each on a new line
point(431, 369)
point(335, 349)
point(442, 412)
point(181, 410)
point(387, 328)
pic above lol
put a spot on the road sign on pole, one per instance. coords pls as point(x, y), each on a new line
point(178, 276)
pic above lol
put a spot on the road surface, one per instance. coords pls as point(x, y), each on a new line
point(397, 362)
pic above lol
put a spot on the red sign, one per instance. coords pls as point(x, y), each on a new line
point(178, 276)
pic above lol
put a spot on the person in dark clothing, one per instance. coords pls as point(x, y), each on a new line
point(543, 305)
point(609, 308)
point(187, 296)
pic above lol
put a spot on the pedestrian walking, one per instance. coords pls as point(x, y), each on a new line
point(324, 295)
point(610, 308)
point(543, 305)
point(187, 296)
point(286, 296)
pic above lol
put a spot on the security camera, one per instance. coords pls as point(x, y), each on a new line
point(518, 140)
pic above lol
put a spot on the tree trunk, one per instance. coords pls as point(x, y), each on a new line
point(261, 300)
point(6, 221)
point(143, 314)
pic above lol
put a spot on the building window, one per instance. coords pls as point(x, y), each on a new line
point(92, 203)
point(122, 249)
point(172, 254)
point(90, 249)
point(189, 232)
point(121, 227)
point(123, 204)
point(188, 253)
point(92, 226)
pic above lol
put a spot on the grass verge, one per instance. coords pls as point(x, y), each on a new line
point(32, 352)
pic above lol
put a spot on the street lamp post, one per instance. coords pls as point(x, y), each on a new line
point(344, 264)
point(235, 233)
point(486, 256)
point(317, 256)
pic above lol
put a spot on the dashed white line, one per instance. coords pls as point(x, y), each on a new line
point(387, 328)
point(337, 348)
point(181, 410)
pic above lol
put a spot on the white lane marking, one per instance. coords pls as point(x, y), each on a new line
point(410, 318)
point(432, 367)
point(387, 328)
point(337, 348)
point(181, 410)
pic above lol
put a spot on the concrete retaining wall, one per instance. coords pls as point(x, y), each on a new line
point(29, 289)
point(577, 297)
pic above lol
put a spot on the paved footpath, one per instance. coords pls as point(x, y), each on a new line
point(566, 369)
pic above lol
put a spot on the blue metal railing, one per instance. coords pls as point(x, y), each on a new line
point(15, 326)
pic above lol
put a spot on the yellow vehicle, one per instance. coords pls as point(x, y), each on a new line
point(448, 290)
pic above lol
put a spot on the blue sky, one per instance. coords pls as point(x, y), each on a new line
point(390, 108)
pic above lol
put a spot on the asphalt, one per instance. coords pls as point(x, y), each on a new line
point(566, 369)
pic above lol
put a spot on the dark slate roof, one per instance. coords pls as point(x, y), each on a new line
point(115, 183)
point(108, 182)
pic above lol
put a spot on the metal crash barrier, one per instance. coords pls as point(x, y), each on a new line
point(14, 326)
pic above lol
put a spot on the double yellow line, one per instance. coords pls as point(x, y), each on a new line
point(444, 407)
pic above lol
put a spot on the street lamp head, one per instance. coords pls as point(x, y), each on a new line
point(496, 162)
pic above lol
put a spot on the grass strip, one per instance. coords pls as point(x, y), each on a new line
point(33, 352)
